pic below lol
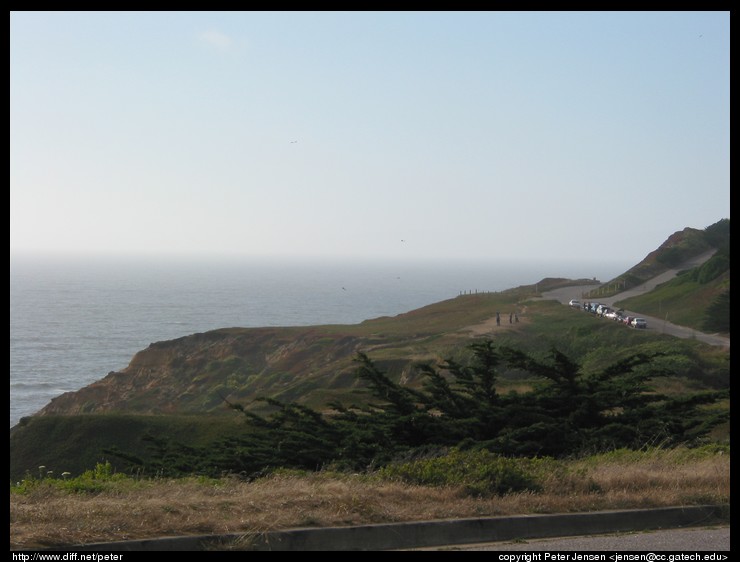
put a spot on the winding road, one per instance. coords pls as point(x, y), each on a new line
point(662, 325)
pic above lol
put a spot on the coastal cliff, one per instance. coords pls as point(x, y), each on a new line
point(204, 372)
point(312, 365)
point(198, 373)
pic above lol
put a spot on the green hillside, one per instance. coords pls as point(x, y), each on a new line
point(678, 248)
point(699, 297)
point(314, 366)
point(75, 443)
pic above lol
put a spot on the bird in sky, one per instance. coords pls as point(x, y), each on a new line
point(293, 142)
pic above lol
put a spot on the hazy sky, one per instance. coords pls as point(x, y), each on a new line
point(405, 135)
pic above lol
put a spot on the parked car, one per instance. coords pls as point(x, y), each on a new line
point(628, 320)
point(574, 302)
point(602, 309)
point(638, 323)
point(611, 315)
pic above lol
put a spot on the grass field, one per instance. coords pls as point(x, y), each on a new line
point(101, 506)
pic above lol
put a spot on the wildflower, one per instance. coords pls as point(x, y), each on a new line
point(66, 475)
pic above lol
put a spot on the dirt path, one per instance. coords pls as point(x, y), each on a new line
point(491, 327)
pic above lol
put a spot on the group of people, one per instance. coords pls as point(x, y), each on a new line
point(512, 318)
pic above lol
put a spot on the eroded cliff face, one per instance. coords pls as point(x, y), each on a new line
point(311, 365)
point(201, 372)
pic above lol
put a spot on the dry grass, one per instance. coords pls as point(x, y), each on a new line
point(48, 516)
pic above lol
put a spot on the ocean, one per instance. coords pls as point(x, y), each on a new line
point(74, 319)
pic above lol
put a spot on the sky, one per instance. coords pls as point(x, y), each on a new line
point(378, 135)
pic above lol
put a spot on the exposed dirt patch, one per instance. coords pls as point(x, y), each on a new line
point(491, 326)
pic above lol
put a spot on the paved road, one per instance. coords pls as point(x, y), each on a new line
point(662, 325)
point(704, 539)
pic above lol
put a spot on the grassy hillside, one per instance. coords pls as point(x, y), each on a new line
point(699, 297)
point(678, 248)
point(695, 298)
point(314, 365)
point(76, 443)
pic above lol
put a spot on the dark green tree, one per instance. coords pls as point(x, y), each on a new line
point(570, 412)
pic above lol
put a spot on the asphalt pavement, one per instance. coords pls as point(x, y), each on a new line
point(704, 539)
point(486, 533)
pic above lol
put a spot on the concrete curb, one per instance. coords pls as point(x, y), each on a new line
point(419, 534)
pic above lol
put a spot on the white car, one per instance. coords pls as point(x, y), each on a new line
point(575, 303)
point(638, 323)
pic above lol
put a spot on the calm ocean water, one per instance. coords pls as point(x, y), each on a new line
point(73, 320)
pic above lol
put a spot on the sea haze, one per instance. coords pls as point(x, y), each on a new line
point(73, 320)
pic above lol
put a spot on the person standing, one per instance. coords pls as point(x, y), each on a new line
point(498, 319)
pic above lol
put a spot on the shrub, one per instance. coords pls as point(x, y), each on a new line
point(718, 314)
point(478, 473)
point(712, 269)
point(98, 479)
